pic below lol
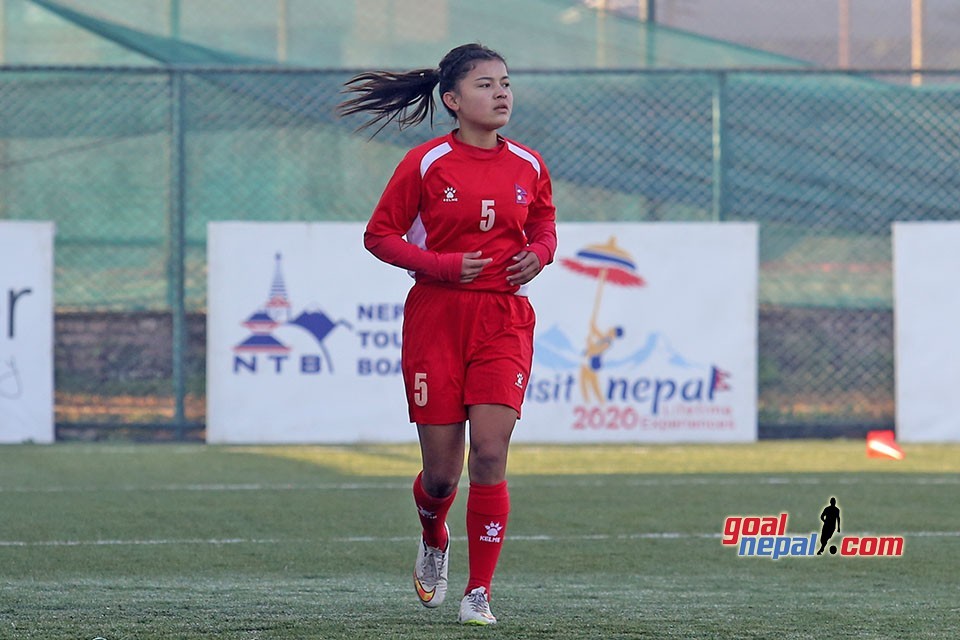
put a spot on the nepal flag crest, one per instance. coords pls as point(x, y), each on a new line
point(521, 194)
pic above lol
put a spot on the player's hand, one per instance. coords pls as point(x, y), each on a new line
point(525, 267)
point(472, 265)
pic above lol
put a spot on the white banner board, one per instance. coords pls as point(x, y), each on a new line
point(304, 334)
point(926, 286)
point(26, 332)
point(646, 332)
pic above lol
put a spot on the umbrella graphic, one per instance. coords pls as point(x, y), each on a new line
point(607, 263)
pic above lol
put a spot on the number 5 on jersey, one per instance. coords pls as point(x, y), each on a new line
point(420, 389)
point(487, 214)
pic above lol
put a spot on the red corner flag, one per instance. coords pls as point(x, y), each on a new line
point(881, 444)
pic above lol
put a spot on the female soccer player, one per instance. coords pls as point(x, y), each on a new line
point(477, 214)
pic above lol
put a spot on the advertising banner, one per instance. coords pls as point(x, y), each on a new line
point(303, 336)
point(646, 332)
point(926, 272)
point(26, 332)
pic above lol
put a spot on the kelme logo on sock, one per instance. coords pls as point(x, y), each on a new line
point(493, 532)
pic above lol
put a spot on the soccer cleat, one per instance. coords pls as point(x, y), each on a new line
point(475, 608)
point(430, 573)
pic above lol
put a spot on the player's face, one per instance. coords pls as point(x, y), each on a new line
point(483, 99)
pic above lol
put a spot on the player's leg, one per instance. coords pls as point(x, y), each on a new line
point(442, 448)
point(491, 426)
point(825, 534)
point(433, 376)
point(500, 358)
point(488, 505)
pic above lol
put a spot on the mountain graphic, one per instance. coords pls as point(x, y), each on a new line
point(318, 324)
point(555, 350)
point(656, 347)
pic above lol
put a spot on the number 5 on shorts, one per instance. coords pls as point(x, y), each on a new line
point(420, 389)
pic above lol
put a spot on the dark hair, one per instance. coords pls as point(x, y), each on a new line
point(407, 97)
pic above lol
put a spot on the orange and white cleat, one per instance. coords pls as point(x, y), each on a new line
point(430, 573)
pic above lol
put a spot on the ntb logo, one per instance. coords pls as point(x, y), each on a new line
point(767, 537)
point(263, 351)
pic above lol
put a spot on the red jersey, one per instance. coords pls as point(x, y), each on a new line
point(449, 198)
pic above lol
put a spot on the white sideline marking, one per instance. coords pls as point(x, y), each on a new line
point(519, 482)
point(413, 539)
point(110, 543)
point(214, 487)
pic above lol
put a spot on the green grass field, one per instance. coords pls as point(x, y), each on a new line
point(125, 541)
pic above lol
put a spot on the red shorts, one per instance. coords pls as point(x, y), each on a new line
point(462, 348)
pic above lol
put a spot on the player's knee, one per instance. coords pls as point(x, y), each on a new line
point(487, 463)
point(439, 484)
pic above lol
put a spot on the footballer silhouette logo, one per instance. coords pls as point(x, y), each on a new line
point(830, 517)
point(855, 545)
point(767, 537)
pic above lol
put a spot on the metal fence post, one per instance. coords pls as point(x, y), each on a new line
point(719, 140)
point(177, 245)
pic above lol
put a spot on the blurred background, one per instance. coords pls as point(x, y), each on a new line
point(133, 124)
point(842, 34)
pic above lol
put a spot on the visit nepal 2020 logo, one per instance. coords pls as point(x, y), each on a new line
point(767, 537)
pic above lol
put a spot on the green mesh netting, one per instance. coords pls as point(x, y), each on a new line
point(823, 161)
point(541, 34)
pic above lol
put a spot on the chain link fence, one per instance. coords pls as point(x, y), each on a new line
point(843, 34)
point(132, 164)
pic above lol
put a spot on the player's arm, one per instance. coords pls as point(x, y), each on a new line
point(541, 232)
point(541, 225)
point(392, 219)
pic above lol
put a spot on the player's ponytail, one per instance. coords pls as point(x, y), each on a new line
point(407, 98)
point(404, 97)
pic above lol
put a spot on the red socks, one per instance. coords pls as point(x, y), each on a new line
point(433, 514)
point(488, 506)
